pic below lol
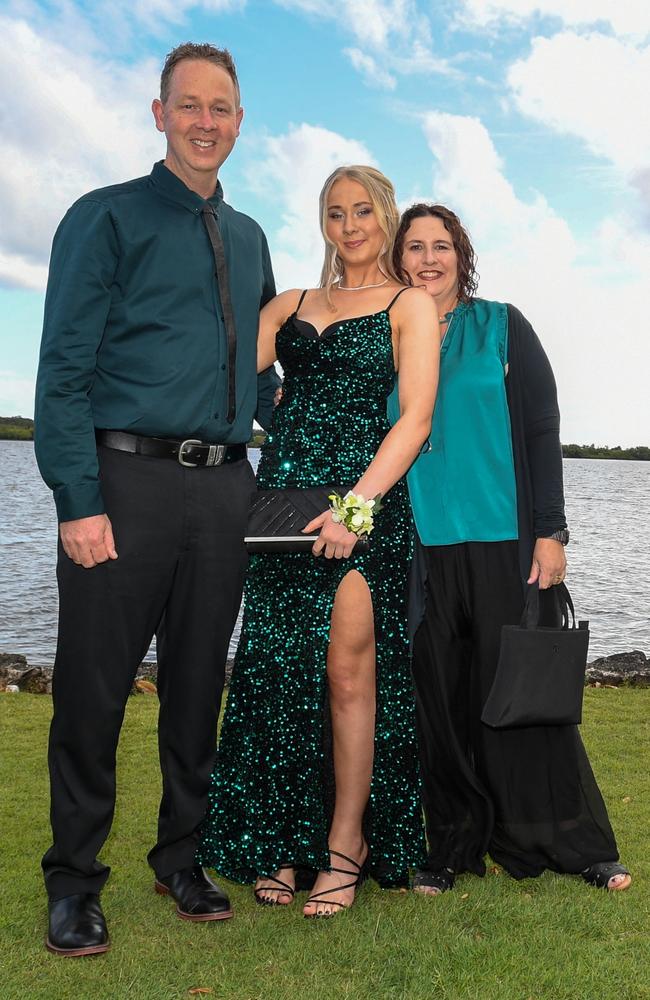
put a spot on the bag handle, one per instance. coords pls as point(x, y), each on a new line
point(563, 605)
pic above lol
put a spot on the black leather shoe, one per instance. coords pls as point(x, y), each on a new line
point(77, 926)
point(196, 896)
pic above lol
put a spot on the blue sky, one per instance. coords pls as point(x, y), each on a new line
point(527, 118)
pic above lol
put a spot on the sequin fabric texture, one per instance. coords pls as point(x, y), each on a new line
point(272, 790)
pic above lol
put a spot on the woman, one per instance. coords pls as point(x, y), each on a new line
point(317, 762)
point(489, 510)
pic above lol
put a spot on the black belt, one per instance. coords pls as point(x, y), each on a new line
point(189, 453)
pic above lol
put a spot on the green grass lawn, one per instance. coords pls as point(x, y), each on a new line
point(551, 938)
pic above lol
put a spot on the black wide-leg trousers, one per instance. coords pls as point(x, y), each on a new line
point(528, 796)
point(179, 573)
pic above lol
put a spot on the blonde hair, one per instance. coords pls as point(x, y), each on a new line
point(381, 195)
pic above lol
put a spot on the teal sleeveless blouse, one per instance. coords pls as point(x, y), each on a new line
point(462, 488)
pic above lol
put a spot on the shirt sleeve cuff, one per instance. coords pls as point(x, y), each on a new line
point(78, 500)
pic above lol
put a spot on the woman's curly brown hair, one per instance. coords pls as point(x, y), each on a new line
point(467, 273)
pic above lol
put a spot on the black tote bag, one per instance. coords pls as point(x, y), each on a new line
point(540, 675)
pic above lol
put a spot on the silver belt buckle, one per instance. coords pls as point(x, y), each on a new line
point(216, 454)
point(181, 460)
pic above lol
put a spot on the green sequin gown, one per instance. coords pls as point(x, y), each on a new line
point(272, 790)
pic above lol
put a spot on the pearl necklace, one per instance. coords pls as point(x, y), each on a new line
point(359, 288)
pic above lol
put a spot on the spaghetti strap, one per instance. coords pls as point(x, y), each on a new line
point(395, 297)
point(300, 302)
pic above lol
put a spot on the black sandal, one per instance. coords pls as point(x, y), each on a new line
point(441, 879)
point(360, 873)
point(600, 874)
point(283, 887)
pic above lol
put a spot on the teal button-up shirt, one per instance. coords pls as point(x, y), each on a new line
point(134, 337)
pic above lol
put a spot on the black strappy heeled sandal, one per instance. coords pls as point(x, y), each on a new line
point(282, 887)
point(359, 872)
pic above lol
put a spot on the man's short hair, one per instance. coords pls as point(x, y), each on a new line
point(192, 50)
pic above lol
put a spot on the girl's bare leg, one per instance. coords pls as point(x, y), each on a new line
point(351, 680)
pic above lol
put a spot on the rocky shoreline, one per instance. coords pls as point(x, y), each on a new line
point(16, 675)
point(629, 669)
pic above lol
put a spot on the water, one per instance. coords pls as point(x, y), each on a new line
point(608, 509)
point(28, 548)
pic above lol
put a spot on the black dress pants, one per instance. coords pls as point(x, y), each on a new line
point(528, 796)
point(179, 572)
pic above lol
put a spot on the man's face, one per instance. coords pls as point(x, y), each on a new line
point(201, 120)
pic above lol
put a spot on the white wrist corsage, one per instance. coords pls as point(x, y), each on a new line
point(354, 512)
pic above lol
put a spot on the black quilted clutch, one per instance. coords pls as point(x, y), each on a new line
point(277, 517)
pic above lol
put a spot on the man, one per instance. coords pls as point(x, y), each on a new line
point(145, 398)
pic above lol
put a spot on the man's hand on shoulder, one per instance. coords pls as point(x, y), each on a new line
point(88, 541)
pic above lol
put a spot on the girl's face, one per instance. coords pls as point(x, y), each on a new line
point(352, 224)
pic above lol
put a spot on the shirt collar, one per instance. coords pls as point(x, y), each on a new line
point(171, 187)
point(458, 310)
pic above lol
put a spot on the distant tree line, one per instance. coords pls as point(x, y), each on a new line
point(640, 453)
point(258, 438)
point(16, 429)
point(22, 429)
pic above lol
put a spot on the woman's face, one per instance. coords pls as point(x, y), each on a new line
point(352, 224)
point(429, 258)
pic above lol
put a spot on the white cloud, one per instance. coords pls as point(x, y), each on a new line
point(373, 74)
point(478, 180)
point(175, 11)
point(372, 22)
point(641, 182)
point(292, 169)
point(620, 256)
point(16, 394)
point(75, 122)
point(584, 298)
point(393, 36)
point(417, 57)
point(629, 17)
point(592, 86)
point(19, 272)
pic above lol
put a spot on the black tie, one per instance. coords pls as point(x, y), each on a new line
point(221, 271)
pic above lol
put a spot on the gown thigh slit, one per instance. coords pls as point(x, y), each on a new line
point(353, 601)
point(272, 790)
